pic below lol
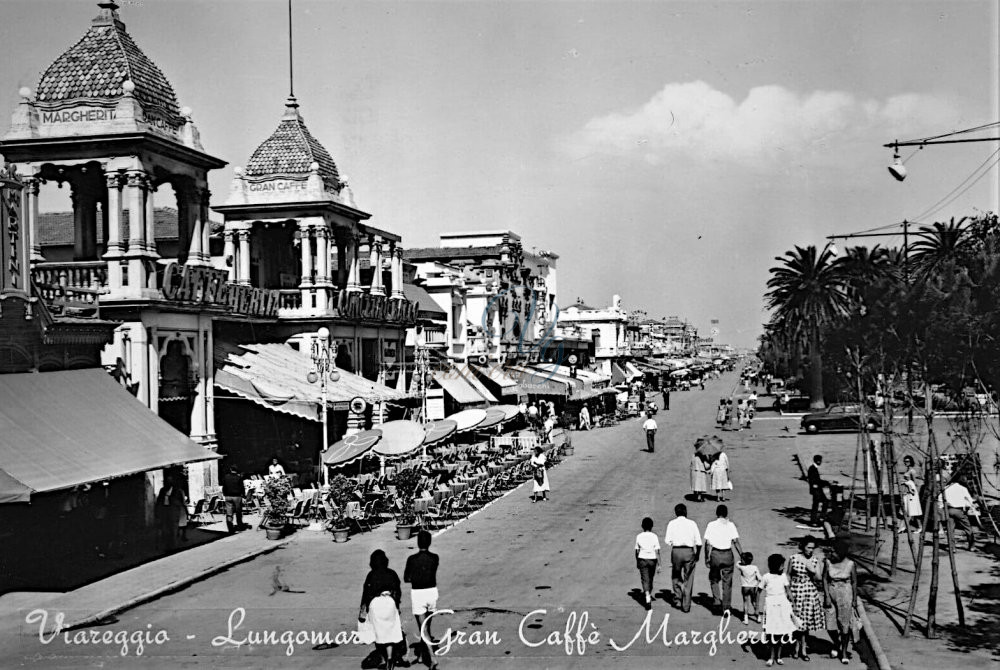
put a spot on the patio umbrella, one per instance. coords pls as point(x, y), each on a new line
point(439, 430)
point(707, 447)
point(468, 419)
point(493, 417)
point(399, 438)
point(352, 447)
point(13, 490)
point(509, 411)
point(679, 373)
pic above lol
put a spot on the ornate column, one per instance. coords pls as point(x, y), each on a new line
point(243, 276)
point(136, 184)
point(32, 185)
point(151, 220)
point(397, 271)
point(84, 223)
point(353, 262)
point(204, 197)
point(229, 253)
point(305, 244)
point(322, 256)
point(115, 250)
point(341, 242)
point(376, 263)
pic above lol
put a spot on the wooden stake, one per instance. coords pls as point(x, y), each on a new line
point(936, 544)
point(846, 519)
point(918, 561)
point(950, 532)
point(889, 461)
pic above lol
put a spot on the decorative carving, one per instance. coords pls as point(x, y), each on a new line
point(137, 179)
point(114, 180)
point(244, 235)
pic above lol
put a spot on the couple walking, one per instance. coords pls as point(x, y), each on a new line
point(685, 540)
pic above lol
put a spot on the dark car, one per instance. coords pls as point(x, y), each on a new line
point(792, 404)
point(840, 417)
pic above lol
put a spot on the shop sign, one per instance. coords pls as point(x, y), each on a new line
point(364, 306)
point(210, 286)
point(435, 404)
point(80, 115)
point(279, 186)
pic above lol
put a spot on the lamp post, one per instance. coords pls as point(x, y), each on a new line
point(324, 365)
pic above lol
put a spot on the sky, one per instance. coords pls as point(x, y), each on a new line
point(666, 151)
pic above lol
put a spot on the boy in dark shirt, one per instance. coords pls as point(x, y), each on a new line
point(421, 574)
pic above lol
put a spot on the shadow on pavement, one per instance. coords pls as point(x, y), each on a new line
point(984, 601)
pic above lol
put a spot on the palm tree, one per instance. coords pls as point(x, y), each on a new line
point(808, 291)
point(939, 243)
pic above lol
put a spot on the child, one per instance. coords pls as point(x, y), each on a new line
point(647, 558)
point(750, 579)
point(775, 592)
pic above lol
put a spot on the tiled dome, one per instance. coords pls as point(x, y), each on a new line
point(101, 62)
point(290, 150)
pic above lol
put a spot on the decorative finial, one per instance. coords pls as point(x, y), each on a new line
point(108, 15)
point(24, 92)
point(314, 167)
point(128, 86)
point(186, 113)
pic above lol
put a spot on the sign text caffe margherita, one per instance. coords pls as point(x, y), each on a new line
point(210, 286)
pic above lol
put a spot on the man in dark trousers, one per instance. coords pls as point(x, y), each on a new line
point(820, 502)
point(421, 574)
point(233, 491)
point(684, 539)
point(666, 397)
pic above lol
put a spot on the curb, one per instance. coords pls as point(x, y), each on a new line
point(881, 660)
point(172, 586)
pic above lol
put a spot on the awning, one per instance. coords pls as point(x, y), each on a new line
point(618, 375)
point(62, 429)
point(462, 389)
point(399, 438)
point(509, 411)
point(500, 378)
point(352, 447)
point(274, 376)
point(578, 387)
point(631, 371)
point(426, 306)
point(540, 382)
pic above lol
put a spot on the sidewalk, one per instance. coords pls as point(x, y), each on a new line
point(105, 598)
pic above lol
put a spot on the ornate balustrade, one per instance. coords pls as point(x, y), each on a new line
point(81, 281)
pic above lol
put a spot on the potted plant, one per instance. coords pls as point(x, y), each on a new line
point(406, 483)
point(339, 494)
point(567, 446)
point(277, 490)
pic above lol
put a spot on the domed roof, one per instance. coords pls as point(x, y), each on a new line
point(291, 150)
point(99, 65)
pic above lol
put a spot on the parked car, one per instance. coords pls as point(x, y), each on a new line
point(840, 417)
point(786, 403)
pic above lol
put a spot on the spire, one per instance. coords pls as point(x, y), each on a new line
point(109, 15)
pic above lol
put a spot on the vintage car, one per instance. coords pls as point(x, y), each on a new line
point(840, 417)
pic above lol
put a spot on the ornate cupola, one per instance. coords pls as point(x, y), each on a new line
point(103, 84)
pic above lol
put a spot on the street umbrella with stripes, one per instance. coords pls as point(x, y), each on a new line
point(509, 411)
point(494, 416)
point(708, 446)
point(352, 447)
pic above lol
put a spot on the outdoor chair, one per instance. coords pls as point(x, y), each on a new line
point(196, 516)
point(437, 517)
point(296, 513)
point(216, 505)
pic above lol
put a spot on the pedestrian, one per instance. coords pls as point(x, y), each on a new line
point(959, 503)
point(380, 602)
point(421, 574)
point(912, 509)
point(840, 590)
point(805, 574)
point(752, 400)
point(533, 415)
point(699, 475)
point(552, 410)
point(685, 547)
point(550, 423)
point(649, 425)
point(233, 490)
point(540, 476)
point(721, 539)
point(750, 579)
point(731, 417)
point(666, 397)
point(820, 502)
point(701, 382)
point(719, 472)
point(276, 469)
point(182, 517)
point(642, 395)
point(168, 503)
point(584, 418)
point(720, 414)
point(775, 596)
point(647, 558)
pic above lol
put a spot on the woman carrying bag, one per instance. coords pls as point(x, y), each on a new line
point(379, 613)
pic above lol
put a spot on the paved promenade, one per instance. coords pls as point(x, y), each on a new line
point(571, 557)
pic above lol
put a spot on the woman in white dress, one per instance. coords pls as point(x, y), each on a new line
point(540, 476)
point(774, 600)
point(912, 510)
point(719, 472)
point(380, 603)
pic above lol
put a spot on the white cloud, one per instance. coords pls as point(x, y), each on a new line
point(771, 123)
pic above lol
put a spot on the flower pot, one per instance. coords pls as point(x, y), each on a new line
point(340, 534)
point(404, 531)
point(273, 533)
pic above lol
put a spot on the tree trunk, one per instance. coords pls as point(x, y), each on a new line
point(815, 372)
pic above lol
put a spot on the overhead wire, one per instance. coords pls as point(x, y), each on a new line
point(941, 203)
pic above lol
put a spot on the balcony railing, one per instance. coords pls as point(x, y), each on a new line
point(76, 282)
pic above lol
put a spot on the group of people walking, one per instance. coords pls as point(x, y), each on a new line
point(736, 416)
point(710, 472)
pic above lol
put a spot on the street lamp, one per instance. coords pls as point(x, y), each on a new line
point(324, 366)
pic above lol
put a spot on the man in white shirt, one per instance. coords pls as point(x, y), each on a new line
point(685, 547)
point(647, 558)
point(650, 427)
point(721, 537)
point(958, 502)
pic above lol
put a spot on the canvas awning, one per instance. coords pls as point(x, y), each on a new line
point(13, 491)
point(274, 376)
point(618, 375)
point(631, 371)
point(539, 382)
point(463, 388)
point(71, 427)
